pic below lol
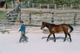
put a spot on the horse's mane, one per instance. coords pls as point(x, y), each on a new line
point(49, 24)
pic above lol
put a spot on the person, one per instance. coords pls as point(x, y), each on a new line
point(22, 29)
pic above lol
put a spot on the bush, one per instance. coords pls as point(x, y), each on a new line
point(4, 31)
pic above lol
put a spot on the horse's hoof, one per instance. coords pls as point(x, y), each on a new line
point(55, 41)
point(47, 41)
point(71, 41)
point(64, 41)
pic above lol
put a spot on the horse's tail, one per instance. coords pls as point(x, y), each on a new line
point(70, 28)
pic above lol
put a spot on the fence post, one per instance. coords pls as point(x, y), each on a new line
point(33, 5)
point(71, 6)
point(79, 6)
point(6, 5)
point(47, 6)
point(29, 18)
point(55, 6)
point(40, 6)
point(52, 17)
point(3, 25)
point(12, 4)
point(75, 16)
point(63, 6)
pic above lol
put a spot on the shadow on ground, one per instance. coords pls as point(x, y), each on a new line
point(57, 38)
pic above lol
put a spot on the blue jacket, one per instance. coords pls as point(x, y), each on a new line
point(23, 28)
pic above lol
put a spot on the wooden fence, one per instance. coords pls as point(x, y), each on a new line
point(52, 17)
point(35, 18)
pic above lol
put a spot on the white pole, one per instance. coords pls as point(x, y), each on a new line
point(63, 6)
point(12, 4)
point(55, 6)
point(33, 5)
point(47, 6)
point(40, 6)
point(3, 25)
point(79, 6)
point(71, 6)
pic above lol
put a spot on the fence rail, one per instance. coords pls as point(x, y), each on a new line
point(39, 17)
point(36, 19)
point(52, 17)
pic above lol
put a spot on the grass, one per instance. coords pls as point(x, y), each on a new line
point(4, 31)
point(2, 15)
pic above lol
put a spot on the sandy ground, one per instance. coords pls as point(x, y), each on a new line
point(9, 43)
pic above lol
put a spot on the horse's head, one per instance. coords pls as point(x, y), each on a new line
point(43, 25)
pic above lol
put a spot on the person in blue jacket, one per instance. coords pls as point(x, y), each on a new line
point(22, 29)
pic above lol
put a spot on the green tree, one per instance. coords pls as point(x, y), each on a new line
point(58, 2)
point(8, 0)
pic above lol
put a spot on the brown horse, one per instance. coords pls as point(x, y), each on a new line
point(58, 28)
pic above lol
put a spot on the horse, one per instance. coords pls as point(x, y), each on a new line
point(53, 28)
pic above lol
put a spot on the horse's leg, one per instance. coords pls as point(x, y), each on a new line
point(54, 38)
point(65, 37)
point(48, 37)
point(70, 37)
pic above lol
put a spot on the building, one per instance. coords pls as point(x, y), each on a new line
point(2, 3)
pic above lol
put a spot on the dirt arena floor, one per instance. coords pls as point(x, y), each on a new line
point(9, 43)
